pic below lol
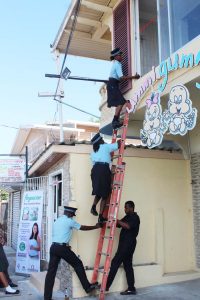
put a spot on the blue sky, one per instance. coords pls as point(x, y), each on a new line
point(26, 32)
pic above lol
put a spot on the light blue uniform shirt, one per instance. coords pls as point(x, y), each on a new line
point(62, 229)
point(103, 154)
point(116, 70)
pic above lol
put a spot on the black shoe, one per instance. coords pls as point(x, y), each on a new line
point(92, 287)
point(101, 219)
point(13, 285)
point(116, 124)
point(94, 211)
point(129, 292)
point(17, 292)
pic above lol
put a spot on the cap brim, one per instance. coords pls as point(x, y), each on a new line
point(97, 140)
point(113, 56)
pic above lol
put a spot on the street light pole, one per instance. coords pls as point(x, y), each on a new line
point(60, 92)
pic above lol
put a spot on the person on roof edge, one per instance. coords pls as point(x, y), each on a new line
point(101, 173)
point(114, 95)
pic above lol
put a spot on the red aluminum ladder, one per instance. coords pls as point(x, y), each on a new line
point(111, 212)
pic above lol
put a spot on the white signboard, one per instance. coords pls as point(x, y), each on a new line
point(12, 169)
point(29, 241)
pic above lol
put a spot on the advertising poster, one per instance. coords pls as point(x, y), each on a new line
point(29, 235)
point(12, 169)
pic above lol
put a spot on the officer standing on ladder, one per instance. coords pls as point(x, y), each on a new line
point(130, 225)
point(101, 173)
point(62, 233)
point(114, 95)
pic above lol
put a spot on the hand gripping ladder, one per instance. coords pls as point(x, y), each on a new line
point(111, 213)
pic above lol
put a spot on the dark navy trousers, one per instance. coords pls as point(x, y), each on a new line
point(123, 255)
point(56, 253)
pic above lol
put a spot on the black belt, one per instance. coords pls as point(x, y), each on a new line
point(61, 244)
point(101, 163)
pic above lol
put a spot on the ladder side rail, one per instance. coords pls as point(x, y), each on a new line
point(114, 210)
point(107, 212)
point(123, 138)
point(103, 229)
point(98, 254)
point(110, 247)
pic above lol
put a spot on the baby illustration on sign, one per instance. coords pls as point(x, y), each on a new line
point(153, 127)
point(180, 116)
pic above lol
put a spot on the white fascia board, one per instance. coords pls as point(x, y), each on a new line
point(63, 25)
point(19, 140)
point(83, 123)
point(46, 127)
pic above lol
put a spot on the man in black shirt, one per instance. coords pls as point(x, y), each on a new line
point(127, 242)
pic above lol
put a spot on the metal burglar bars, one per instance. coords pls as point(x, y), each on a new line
point(111, 212)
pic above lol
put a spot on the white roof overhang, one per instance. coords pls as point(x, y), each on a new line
point(91, 37)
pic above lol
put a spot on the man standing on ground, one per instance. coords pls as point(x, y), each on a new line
point(5, 263)
point(5, 281)
point(62, 233)
point(127, 242)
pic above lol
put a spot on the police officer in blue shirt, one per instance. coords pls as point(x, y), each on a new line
point(114, 95)
point(62, 233)
point(100, 173)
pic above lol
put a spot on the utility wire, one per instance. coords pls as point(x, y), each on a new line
point(8, 126)
point(85, 112)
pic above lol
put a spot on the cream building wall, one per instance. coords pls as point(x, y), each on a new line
point(161, 189)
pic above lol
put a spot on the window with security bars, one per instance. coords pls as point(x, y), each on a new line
point(121, 39)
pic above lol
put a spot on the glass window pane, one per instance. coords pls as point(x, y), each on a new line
point(185, 21)
point(148, 35)
point(164, 30)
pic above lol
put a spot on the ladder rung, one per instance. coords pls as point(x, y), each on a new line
point(111, 220)
point(104, 253)
point(108, 237)
point(117, 171)
point(115, 187)
point(114, 203)
point(116, 156)
point(103, 272)
point(117, 182)
point(120, 166)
